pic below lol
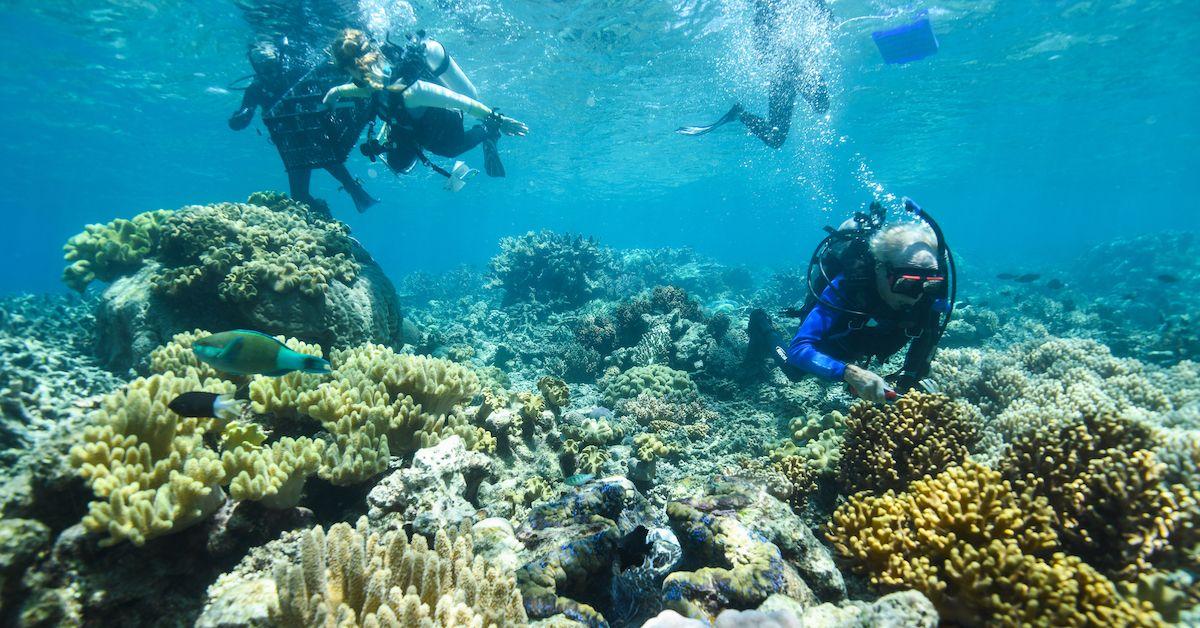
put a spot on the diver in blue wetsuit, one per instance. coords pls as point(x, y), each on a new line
point(878, 288)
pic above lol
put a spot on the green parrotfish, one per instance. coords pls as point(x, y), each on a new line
point(244, 352)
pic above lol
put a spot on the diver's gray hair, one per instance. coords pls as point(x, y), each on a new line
point(906, 244)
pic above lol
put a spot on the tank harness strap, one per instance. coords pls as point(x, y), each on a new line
point(445, 64)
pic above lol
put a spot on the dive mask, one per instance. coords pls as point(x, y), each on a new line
point(916, 282)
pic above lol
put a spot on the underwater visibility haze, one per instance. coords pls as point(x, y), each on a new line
point(599, 313)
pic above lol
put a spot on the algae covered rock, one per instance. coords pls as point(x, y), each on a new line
point(268, 264)
point(432, 493)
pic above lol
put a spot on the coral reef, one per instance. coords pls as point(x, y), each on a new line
point(353, 576)
point(888, 447)
point(553, 268)
point(986, 553)
point(268, 264)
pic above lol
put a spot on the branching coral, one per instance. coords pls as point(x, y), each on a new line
point(646, 408)
point(106, 252)
point(981, 552)
point(1107, 489)
point(356, 577)
point(888, 447)
point(548, 267)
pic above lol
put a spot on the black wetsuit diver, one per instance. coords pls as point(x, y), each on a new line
point(787, 81)
point(275, 71)
point(438, 130)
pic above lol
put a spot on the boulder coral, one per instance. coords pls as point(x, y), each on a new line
point(980, 551)
point(269, 264)
point(353, 576)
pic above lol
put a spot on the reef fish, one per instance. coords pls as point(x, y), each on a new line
point(1165, 278)
point(244, 352)
point(1055, 284)
point(579, 479)
point(207, 405)
point(1026, 278)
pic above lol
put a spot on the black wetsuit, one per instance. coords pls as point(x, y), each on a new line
point(263, 93)
point(785, 80)
point(439, 131)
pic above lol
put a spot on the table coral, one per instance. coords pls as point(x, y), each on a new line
point(353, 576)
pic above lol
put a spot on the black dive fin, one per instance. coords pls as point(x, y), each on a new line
point(491, 158)
point(730, 116)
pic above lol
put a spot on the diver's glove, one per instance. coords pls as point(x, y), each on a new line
point(867, 385)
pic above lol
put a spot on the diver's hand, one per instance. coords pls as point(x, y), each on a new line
point(512, 126)
point(865, 385)
point(331, 97)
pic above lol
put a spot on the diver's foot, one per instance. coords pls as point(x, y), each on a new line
point(491, 158)
point(364, 202)
point(734, 112)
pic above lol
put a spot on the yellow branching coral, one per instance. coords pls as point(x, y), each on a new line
point(1108, 490)
point(979, 551)
point(237, 434)
point(107, 251)
point(887, 447)
point(356, 577)
point(176, 356)
point(273, 475)
point(148, 466)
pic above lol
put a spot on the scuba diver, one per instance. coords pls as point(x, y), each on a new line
point(306, 135)
point(873, 288)
point(422, 96)
point(788, 79)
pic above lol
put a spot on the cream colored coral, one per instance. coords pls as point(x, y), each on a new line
point(357, 577)
point(273, 475)
point(648, 448)
point(147, 465)
point(176, 356)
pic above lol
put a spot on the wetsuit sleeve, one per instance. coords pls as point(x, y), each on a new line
point(252, 98)
point(802, 353)
point(425, 94)
point(349, 90)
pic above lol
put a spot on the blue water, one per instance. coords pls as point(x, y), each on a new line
point(1038, 130)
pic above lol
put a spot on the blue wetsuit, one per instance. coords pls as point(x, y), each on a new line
point(829, 338)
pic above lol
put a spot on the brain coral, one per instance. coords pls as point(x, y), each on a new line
point(549, 267)
point(981, 552)
point(656, 380)
point(355, 577)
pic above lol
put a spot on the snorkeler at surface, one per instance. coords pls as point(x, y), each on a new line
point(276, 72)
point(889, 287)
point(788, 76)
point(423, 96)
